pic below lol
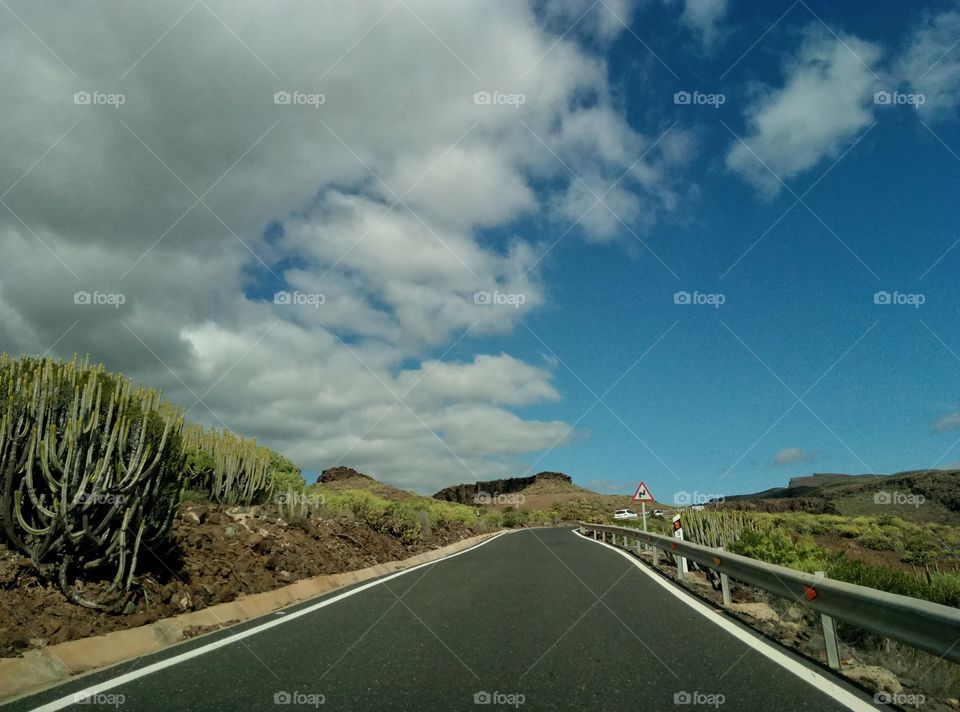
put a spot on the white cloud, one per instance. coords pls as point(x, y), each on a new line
point(498, 379)
point(469, 428)
point(704, 17)
point(826, 101)
point(603, 20)
point(112, 199)
point(931, 63)
point(791, 455)
point(950, 421)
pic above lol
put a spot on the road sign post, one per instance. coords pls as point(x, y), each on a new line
point(643, 495)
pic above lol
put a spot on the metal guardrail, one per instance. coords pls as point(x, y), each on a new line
point(928, 626)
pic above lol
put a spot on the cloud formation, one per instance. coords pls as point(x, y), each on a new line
point(790, 456)
point(825, 102)
point(931, 63)
point(950, 421)
point(339, 154)
point(704, 18)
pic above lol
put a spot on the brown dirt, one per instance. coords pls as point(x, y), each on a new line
point(214, 554)
point(852, 550)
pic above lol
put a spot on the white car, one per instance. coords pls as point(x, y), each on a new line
point(625, 514)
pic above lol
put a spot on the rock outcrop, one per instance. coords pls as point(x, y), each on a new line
point(336, 474)
point(466, 493)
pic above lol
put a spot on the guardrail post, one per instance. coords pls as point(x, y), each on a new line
point(830, 635)
point(725, 586)
point(656, 555)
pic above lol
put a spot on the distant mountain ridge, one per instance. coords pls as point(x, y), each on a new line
point(925, 494)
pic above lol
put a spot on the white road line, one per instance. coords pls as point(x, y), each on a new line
point(824, 684)
point(71, 699)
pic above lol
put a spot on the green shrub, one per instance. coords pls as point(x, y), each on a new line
point(936, 587)
point(402, 521)
point(776, 546)
point(849, 531)
point(409, 519)
point(513, 519)
point(875, 540)
point(285, 475)
point(885, 520)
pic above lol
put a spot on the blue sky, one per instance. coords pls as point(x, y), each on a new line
point(706, 413)
point(421, 238)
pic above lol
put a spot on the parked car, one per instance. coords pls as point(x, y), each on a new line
point(625, 514)
point(658, 514)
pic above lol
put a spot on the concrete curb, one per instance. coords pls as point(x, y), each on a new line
point(41, 667)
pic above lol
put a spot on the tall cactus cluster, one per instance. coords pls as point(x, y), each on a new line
point(230, 469)
point(719, 527)
point(91, 469)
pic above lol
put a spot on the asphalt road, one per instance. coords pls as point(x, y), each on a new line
point(536, 620)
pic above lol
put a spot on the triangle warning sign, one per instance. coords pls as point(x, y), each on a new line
point(642, 494)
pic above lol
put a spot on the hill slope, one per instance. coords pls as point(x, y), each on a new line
point(924, 495)
point(346, 478)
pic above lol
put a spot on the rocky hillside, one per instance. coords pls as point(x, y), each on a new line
point(929, 495)
point(467, 493)
point(343, 478)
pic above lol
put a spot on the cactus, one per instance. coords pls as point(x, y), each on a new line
point(292, 506)
point(231, 469)
point(90, 470)
point(719, 527)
